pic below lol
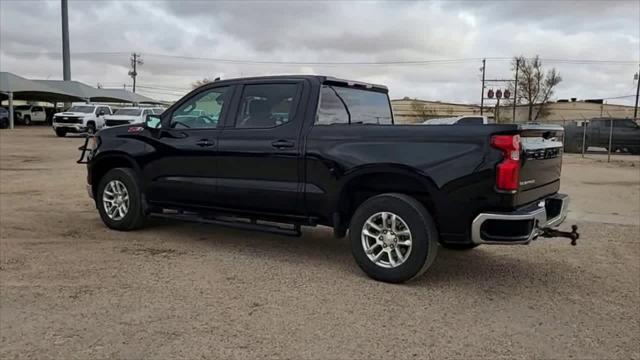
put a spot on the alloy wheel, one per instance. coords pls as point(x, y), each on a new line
point(115, 199)
point(386, 239)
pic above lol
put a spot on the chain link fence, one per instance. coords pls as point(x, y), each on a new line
point(602, 136)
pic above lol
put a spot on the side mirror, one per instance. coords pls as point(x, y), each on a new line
point(152, 121)
point(101, 113)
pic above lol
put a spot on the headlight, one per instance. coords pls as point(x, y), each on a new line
point(94, 141)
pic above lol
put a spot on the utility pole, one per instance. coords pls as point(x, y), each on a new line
point(635, 109)
point(135, 60)
point(515, 92)
point(66, 61)
point(484, 61)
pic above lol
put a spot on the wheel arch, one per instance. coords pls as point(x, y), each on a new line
point(372, 181)
point(107, 161)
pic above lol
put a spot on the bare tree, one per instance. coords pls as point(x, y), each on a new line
point(199, 83)
point(535, 87)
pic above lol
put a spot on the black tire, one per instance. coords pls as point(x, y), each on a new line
point(134, 217)
point(461, 247)
point(27, 120)
point(423, 232)
point(61, 132)
point(91, 127)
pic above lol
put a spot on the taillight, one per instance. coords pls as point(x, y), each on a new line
point(508, 171)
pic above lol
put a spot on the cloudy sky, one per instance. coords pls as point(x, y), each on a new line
point(434, 47)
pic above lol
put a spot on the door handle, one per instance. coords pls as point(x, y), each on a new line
point(282, 144)
point(204, 143)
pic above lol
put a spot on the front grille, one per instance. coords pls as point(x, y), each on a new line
point(116, 122)
point(67, 120)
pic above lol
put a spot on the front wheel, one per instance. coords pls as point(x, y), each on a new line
point(393, 238)
point(119, 200)
point(27, 120)
point(61, 132)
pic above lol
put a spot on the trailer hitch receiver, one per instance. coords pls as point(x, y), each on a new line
point(548, 232)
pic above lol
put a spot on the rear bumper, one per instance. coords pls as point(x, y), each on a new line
point(522, 225)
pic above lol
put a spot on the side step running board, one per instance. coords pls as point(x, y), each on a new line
point(251, 224)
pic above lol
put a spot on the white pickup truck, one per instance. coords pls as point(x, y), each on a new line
point(80, 118)
point(128, 115)
point(460, 120)
point(28, 114)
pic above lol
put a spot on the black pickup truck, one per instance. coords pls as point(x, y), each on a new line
point(276, 153)
point(625, 135)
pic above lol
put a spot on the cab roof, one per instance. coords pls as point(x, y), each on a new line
point(322, 78)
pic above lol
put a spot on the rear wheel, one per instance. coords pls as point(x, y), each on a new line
point(61, 132)
point(393, 238)
point(119, 200)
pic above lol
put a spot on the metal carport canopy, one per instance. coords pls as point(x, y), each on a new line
point(24, 89)
point(99, 95)
point(14, 87)
point(126, 96)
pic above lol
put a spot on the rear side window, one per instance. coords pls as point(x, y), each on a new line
point(342, 105)
point(470, 121)
point(266, 105)
point(624, 124)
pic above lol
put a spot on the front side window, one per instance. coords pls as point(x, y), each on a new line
point(200, 112)
point(343, 105)
point(266, 105)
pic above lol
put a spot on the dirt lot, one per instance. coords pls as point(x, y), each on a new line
point(70, 288)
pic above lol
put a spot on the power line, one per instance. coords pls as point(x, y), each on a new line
point(338, 63)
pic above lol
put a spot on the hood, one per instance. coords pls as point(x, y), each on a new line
point(123, 117)
point(71, 114)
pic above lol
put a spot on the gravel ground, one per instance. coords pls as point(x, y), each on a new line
point(70, 288)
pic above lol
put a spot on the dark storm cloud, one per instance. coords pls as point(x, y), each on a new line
point(327, 31)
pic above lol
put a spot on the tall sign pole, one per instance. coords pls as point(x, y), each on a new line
point(66, 61)
point(484, 61)
point(515, 92)
point(635, 109)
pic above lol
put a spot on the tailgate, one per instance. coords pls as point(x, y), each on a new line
point(541, 160)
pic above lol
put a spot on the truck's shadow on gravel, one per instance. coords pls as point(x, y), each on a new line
point(480, 267)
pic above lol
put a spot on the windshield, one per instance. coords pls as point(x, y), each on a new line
point(134, 112)
point(343, 105)
point(82, 109)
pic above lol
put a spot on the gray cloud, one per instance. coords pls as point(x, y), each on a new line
point(327, 31)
